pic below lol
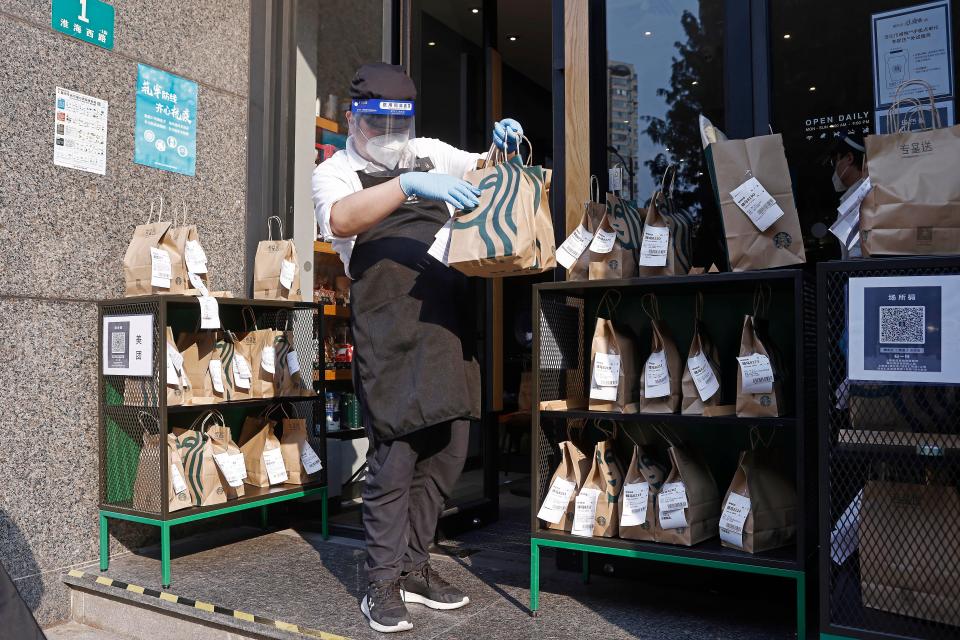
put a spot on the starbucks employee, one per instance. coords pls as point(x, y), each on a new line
point(382, 201)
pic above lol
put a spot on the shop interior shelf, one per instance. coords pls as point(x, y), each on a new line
point(783, 558)
point(333, 375)
point(666, 418)
point(328, 124)
point(254, 402)
point(319, 246)
point(347, 434)
point(336, 311)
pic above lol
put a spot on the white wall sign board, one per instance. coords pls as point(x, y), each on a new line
point(80, 132)
point(128, 346)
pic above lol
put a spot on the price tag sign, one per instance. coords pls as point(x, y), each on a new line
point(584, 513)
point(603, 241)
point(293, 362)
point(268, 359)
point(557, 501)
point(209, 312)
point(228, 467)
point(653, 251)
point(160, 271)
point(287, 272)
point(606, 369)
point(673, 496)
point(573, 247)
point(273, 461)
point(733, 518)
point(703, 376)
point(216, 375)
point(757, 203)
point(635, 498)
point(656, 377)
point(310, 459)
point(196, 257)
point(756, 374)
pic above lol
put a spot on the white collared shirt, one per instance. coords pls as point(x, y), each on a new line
point(336, 178)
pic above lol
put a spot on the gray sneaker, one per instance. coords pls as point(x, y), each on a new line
point(383, 606)
point(424, 586)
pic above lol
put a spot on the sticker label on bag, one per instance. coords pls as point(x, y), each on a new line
point(703, 376)
point(756, 374)
point(557, 500)
point(310, 459)
point(584, 513)
point(268, 359)
point(573, 247)
point(216, 375)
point(174, 364)
point(653, 251)
point(675, 519)
point(195, 257)
point(233, 473)
point(241, 372)
point(635, 498)
point(757, 203)
point(733, 518)
point(673, 496)
point(273, 461)
point(287, 272)
point(293, 362)
point(615, 177)
point(179, 485)
point(440, 249)
point(209, 312)
point(606, 369)
point(160, 270)
point(656, 377)
point(197, 283)
point(603, 241)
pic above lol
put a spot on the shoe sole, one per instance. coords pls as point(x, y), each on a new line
point(416, 598)
point(403, 625)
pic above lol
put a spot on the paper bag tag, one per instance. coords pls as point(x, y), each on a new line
point(757, 203)
point(635, 498)
point(557, 500)
point(573, 247)
point(756, 373)
point(656, 377)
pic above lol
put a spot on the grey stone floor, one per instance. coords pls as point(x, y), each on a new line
point(74, 631)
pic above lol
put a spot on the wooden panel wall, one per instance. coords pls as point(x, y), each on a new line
point(576, 109)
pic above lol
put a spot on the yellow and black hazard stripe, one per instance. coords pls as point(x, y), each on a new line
point(204, 606)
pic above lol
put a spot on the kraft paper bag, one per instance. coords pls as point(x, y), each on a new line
point(223, 445)
point(261, 344)
point(179, 391)
point(138, 262)
point(299, 458)
point(666, 248)
point(627, 220)
point(543, 219)
point(759, 511)
point(276, 268)
point(498, 237)
point(907, 532)
point(733, 162)
point(592, 218)
point(605, 476)
point(617, 263)
point(198, 350)
point(289, 373)
point(613, 376)
point(690, 481)
point(700, 385)
point(771, 401)
point(146, 496)
point(914, 206)
point(557, 508)
point(203, 477)
point(193, 259)
point(237, 370)
point(637, 516)
point(662, 371)
point(261, 452)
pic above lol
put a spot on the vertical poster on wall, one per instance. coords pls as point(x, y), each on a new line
point(166, 124)
point(80, 132)
point(904, 329)
point(913, 43)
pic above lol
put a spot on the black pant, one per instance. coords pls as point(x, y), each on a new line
point(15, 616)
point(408, 480)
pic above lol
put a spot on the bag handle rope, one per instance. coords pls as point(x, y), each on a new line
point(608, 301)
point(667, 434)
point(270, 227)
point(146, 431)
point(594, 189)
point(244, 312)
point(654, 311)
point(673, 178)
point(761, 300)
point(756, 437)
point(574, 424)
point(895, 124)
point(159, 213)
point(610, 432)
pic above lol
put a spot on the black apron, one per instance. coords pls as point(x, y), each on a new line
point(412, 317)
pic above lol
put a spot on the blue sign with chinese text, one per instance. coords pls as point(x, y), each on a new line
point(88, 20)
point(166, 131)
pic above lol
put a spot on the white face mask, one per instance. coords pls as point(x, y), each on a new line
point(838, 185)
point(386, 150)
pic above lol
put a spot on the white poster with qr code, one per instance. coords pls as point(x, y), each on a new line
point(128, 345)
point(904, 329)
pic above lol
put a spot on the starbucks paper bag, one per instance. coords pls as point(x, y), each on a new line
point(759, 510)
point(228, 458)
point(192, 256)
point(198, 350)
point(179, 391)
point(605, 476)
point(660, 378)
point(592, 218)
point(609, 258)
point(558, 505)
point(289, 375)
point(145, 494)
point(759, 388)
point(203, 479)
point(701, 375)
point(688, 504)
point(613, 377)
point(261, 452)
point(276, 268)
point(658, 255)
point(645, 477)
point(299, 458)
point(152, 263)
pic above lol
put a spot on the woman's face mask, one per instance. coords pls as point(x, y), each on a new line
point(838, 172)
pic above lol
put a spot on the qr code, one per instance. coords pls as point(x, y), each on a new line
point(903, 325)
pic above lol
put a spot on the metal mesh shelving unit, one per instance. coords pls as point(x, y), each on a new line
point(565, 315)
point(889, 456)
point(123, 400)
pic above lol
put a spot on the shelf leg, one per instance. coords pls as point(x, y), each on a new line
point(534, 577)
point(801, 606)
point(264, 517)
point(586, 567)
point(104, 543)
point(324, 525)
point(165, 555)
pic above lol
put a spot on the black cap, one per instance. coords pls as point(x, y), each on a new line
point(382, 80)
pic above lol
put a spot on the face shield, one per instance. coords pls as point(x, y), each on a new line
point(381, 129)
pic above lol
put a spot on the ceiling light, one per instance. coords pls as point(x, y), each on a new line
point(813, 88)
point(695, 82)
point(786, 36)
point(474, 10)
point(512, 38)
point(647, 34)
point(431, 44)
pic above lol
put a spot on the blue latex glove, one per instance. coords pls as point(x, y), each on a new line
point(440, 186)
point(507, 134)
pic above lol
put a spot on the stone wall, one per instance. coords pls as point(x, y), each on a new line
point(62, 238)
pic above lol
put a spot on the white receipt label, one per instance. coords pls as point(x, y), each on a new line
point(606, 369)
point(440, 249)
point(584, 512)
point(287, 271)
point(703, 376)
point(273, 461)
point(179, 484)
point(195, 257)
point(733, 519)
point(635, 498)
point(160, 271)
point(573, 247)
point(197, 283)
point(241, 372)
point(653, 250)
point(293, 362)
point(216, 375)
point(675, 519)
point(209, 312)
point(673, 496)
point(756, 374)
point(229, 468)
point(656, 376)
point(615, 178)
point(268, 359)
point(310, 459)
point(757, 203)
point(557, 501)
point(603, 241)
point(174, 364)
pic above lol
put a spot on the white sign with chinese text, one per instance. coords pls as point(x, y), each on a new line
point(80, 132)
point(128, 346)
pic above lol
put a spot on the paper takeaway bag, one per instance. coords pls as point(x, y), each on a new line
point(914, 206)
point(605, 476)
point(153, 263)
point(573, 252)
point(260, 345)
point(907, 532)
point(760, 507)
point(613, 377)
point(557, 508)
point(198, 351)
point(288, 375)
point(627, 220)
point(660, 378)
point(145, 494)
point(178, 386)
point(688, 504)
point(276, 268)
point(261, 452)
point(645, 477)
point(759, 385)
point(236, 371)
point(543, 219)
point(226, 455)
point(667, 245)
point(192, 256)
point(731, 164)
point(196, 453)
point(299, 458)
point(609, 258)
point(700, 385)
